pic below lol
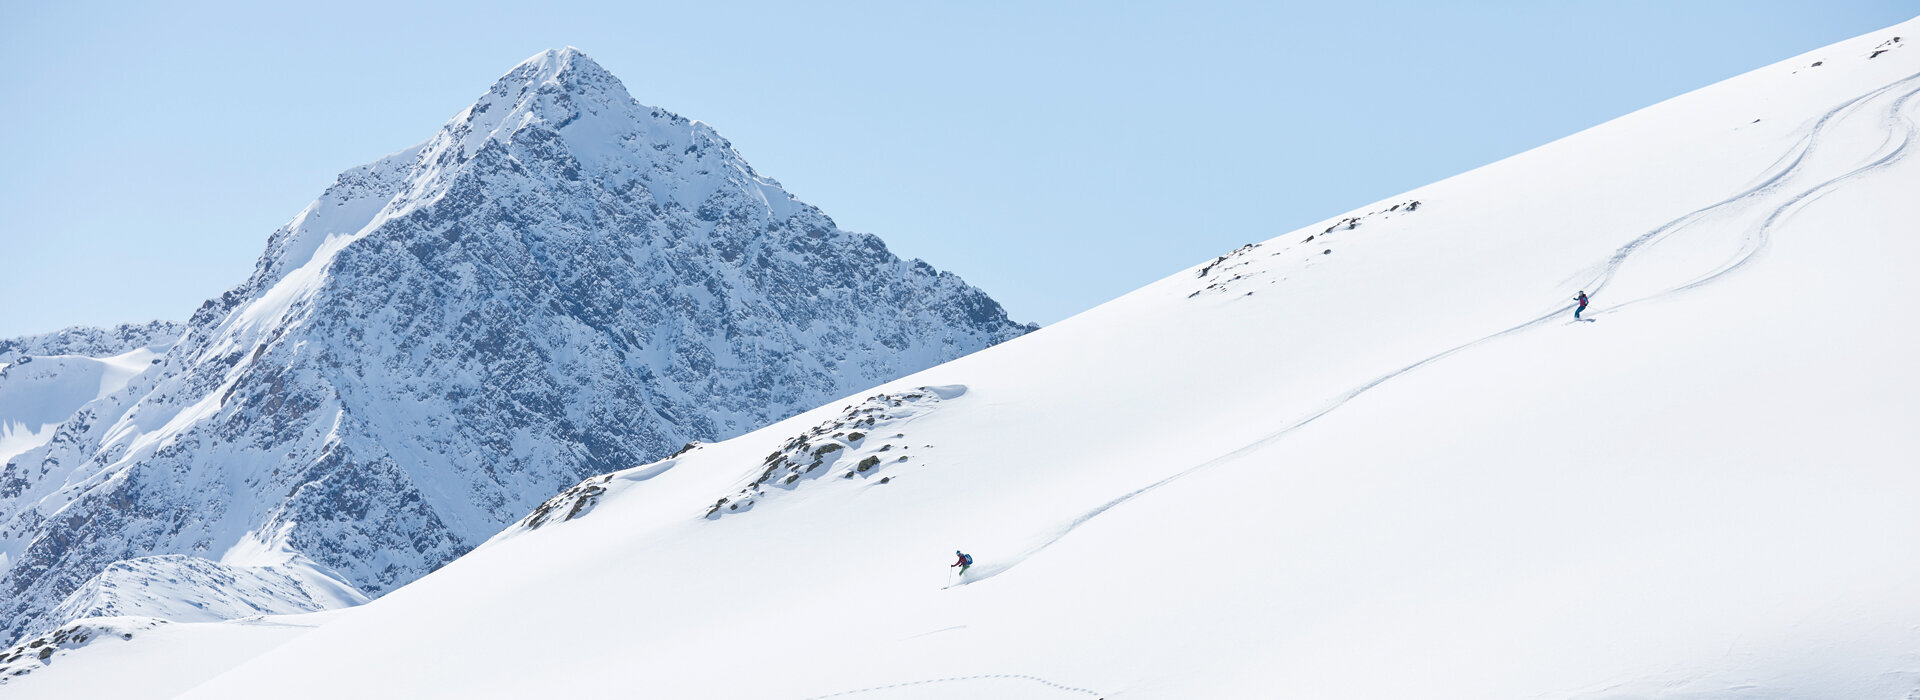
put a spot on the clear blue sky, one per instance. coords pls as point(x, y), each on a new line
point(1056, 154)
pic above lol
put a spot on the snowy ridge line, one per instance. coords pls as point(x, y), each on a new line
point(186, 588)
point(1796, 156)
point(907, 684)
point(92, 341)
point(835, 440)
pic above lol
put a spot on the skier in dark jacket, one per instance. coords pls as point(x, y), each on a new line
point(1583, 304)
point(964, 562)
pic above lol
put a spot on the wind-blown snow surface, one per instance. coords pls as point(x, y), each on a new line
point(561, 282)
point(1380, 462)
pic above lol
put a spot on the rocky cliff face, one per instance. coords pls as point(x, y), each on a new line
point(561, 282)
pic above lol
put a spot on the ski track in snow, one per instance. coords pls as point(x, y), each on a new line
point(1756, 242)
point(957, 679)
point(1758, 238)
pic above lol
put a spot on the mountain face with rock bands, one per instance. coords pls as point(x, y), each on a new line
point(561, 282)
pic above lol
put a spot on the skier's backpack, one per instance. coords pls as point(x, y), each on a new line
point(966, 560)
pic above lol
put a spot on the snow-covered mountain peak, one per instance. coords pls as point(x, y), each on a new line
point(559, 114)
point(554, 89)
point(558, 65)
point(559, 282)
point(601, 128)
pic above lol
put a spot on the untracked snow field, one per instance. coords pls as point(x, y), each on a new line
point(1375, 458)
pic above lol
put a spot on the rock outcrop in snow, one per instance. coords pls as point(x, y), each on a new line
point(561, 282)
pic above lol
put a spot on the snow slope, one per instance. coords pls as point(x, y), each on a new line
point(560, 282)
point(1374, 458)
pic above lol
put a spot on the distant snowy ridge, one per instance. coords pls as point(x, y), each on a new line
point(90, 341)
point(184, 588)
point(1399, 469)
point(53, 379)
point(561, 282)
point(36, 653)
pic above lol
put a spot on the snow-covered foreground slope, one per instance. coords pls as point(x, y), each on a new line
point(1375, 458)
